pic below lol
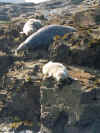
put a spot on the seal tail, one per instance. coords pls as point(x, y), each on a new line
point(22, 46)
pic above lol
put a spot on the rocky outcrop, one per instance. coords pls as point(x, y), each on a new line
point(22, 97)
point(6, 62)
point(70, 107)
point(67, 108)
point(87, 18)
point(59, 106)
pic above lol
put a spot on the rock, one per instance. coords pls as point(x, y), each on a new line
point(91, 96)
point(36, 68)
point(25, 104)
point(69, 108)
point(96, 126)
point(91, 2)
point(1, 32)
point(6, 62)
point(59, 106)
point(59, 51)
point(87, 18)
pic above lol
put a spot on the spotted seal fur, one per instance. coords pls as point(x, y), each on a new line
point(44, 36)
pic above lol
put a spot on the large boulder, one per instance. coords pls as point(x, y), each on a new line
point(69, 108)
point(59, 105)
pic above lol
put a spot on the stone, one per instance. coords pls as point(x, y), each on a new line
point(59, 105)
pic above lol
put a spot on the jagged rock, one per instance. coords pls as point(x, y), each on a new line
point(25, 104)
point(87, 18)
point(91, 2)
point(6, 62)
point(59, 105)
point(59, 52)
point(68, 107)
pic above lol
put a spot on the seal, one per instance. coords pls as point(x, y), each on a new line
point(31, 26)
point(55, 70)
point(44, 37)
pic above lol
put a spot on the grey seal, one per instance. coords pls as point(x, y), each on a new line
point(55, 70)
point(44, 37)
point(31, 26)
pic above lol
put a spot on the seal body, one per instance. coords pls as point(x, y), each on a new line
point(31, 26)
point(55, 70)
point(44, 36)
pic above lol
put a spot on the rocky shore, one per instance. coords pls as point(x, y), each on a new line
point(29, 104)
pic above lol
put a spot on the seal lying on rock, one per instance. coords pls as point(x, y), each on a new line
point(55, 70)
point(31, 26)
point(44, 36)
